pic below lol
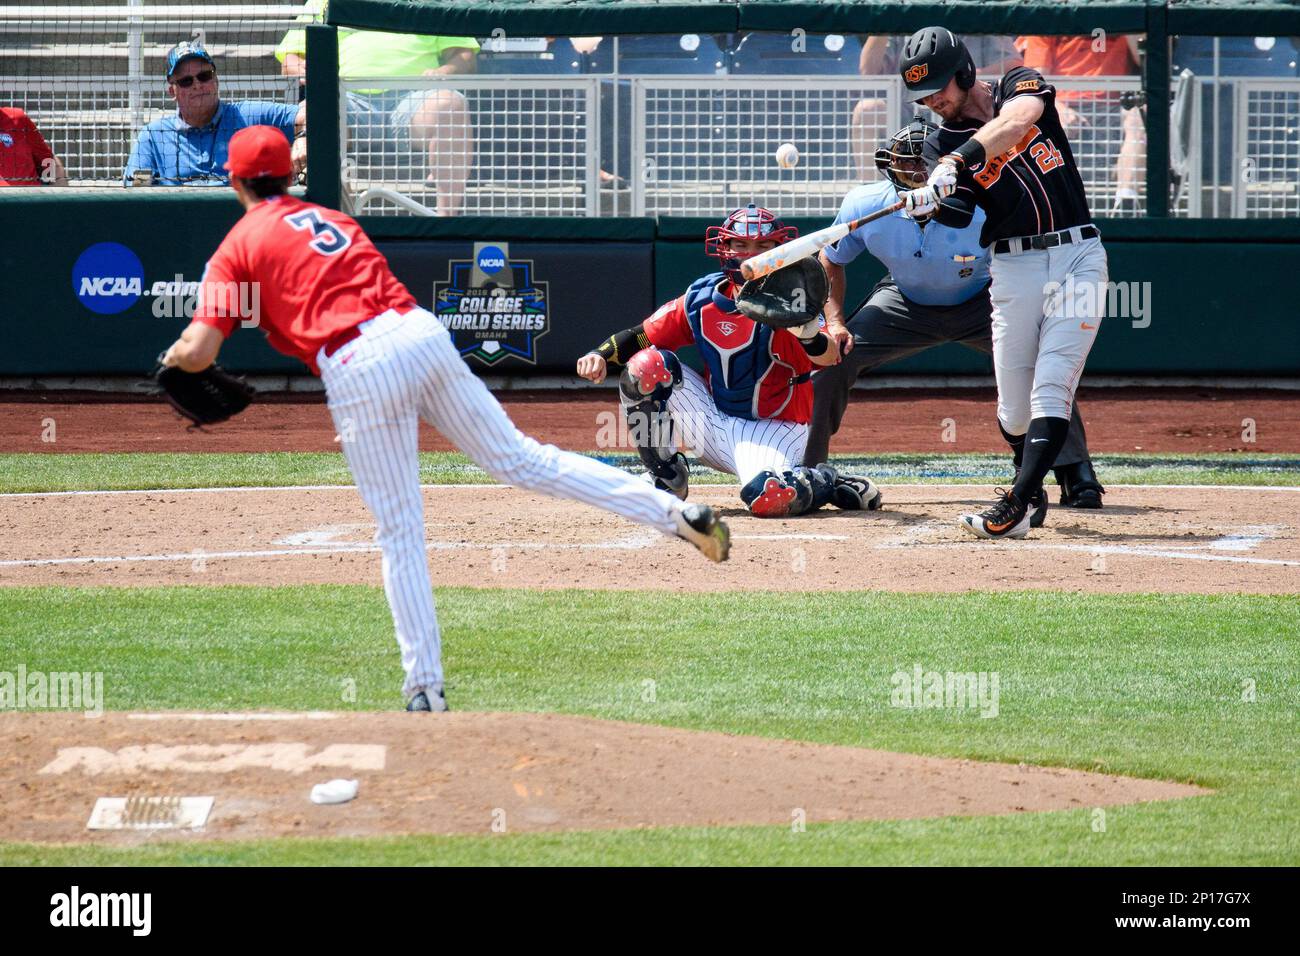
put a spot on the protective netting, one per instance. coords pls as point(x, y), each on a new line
point(677, 124)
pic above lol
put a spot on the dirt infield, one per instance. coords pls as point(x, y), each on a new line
point(490, 773)
point(1161, 539)
point(895, 420)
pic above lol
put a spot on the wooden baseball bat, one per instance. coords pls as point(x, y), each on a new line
point(805, 246)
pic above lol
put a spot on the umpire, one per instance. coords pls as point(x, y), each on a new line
point(936, 291)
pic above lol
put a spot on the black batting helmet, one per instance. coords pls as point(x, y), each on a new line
point(900, 159)
point(931, 57)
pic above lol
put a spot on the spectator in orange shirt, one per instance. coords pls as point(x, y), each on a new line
point(25, 158)
point(1096, 56)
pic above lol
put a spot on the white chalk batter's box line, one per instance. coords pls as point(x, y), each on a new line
point(490, 485)
point(1245, 539)
point(316, 542)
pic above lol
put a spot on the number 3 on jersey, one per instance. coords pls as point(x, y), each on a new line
point(1046, 155)
point(327, 238)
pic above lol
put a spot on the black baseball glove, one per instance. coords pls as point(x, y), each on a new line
point(791, 296)
point(205, 398)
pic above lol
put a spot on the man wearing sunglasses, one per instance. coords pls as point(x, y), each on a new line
point(191, 146)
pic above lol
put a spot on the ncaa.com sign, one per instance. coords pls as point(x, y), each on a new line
point(108, 278)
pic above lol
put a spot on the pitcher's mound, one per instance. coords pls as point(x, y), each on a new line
point(484, 773)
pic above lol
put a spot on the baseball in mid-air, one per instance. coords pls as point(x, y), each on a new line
point(787, 156)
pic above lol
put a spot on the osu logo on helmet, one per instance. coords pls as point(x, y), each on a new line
point(915, 74)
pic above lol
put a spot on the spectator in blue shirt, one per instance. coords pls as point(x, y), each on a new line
point(189, 148)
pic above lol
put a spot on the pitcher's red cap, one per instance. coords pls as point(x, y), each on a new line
point(257, 151)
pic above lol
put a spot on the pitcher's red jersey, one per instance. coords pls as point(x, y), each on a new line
point(316, 274)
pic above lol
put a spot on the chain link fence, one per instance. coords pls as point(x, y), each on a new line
point(597, 136)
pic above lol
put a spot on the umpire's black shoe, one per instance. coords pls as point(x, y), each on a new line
point(1079, 485)
point(429, 702)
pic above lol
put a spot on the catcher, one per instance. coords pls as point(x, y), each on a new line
point(748, 413)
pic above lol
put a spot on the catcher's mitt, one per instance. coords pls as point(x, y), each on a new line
point(791, 296)
point(205, 398)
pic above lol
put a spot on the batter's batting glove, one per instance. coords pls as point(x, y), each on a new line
point(944, 179)
point(919, 203)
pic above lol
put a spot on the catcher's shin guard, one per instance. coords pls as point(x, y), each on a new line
point(643, 389)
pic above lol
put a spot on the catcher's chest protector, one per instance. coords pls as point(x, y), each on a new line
point(748, 376)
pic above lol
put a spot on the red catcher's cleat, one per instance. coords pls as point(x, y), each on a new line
point(775, 500)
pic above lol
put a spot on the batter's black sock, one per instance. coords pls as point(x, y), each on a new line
point(1017, 443)
point(1043, 443)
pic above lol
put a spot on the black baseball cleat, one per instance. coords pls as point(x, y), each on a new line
point(1009, 518)
point(853, 492)
point(1080, 487)
point(701, 526)
point(429, 702)
point(1038, 502)
point(674, 477)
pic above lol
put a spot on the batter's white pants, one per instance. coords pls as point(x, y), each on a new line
point(737, 446)
point(1047, 307)
point(403, 368)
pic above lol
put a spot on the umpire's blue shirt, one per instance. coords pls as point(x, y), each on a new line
point(937, 265)
point(179, 154)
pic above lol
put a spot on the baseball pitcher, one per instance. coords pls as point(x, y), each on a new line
point(327, 297)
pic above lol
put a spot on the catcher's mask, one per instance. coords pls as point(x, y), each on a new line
point(751, 222)
point(900, 159)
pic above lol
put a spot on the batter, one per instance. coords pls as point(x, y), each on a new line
point(327, 297)
point(936, 291)
point(1001, 148)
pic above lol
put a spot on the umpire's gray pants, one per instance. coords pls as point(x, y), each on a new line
point(889, 326)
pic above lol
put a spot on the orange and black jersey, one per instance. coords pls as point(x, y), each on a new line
point(1032, 188)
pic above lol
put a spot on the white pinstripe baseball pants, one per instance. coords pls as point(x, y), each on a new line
point(738, 446)
point(403, 368)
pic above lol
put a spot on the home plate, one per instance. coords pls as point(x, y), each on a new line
point(150, 813)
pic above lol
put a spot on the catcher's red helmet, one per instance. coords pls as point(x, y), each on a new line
point(751, 222)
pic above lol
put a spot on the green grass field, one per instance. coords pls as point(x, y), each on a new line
point(1147, 685)
point(81, 472)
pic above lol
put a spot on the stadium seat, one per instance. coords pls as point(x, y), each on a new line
point(1238, 56)
point(772, 54)
point(522, 57)
point(689, 53)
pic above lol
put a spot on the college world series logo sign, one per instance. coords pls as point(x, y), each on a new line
point(494, 307)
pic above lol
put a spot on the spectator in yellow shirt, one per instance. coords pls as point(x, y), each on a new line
point(434, 120)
